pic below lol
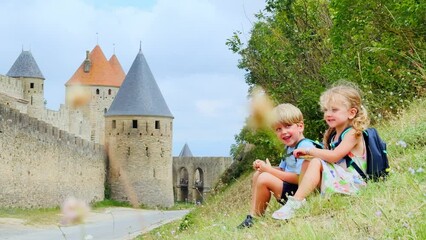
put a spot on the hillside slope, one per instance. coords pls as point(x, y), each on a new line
point(394, 209)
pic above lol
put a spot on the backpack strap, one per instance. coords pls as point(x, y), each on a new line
point(348, 160)
point(315, 143)
point(333, 134)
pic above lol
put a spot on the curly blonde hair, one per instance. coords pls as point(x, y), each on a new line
point(349, 95)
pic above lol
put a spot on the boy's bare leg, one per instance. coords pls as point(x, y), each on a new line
point(310, 180)
point(262, 188)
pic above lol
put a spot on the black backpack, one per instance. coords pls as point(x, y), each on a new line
point(377, 159)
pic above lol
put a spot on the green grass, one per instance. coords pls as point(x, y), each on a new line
point(43, 216)
point(393, 209)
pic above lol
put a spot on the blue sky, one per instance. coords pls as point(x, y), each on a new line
point(183, 42)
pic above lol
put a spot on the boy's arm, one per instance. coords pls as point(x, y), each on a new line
point(279, 173)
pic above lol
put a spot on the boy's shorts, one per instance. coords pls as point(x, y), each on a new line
point(289, 189)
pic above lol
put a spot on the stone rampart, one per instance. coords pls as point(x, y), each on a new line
point(11, 86)
point(42, 165)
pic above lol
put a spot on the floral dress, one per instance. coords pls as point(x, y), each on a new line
point(338, 178)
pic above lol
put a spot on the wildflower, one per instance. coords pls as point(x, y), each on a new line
point(420, 170)
point(378, 213)
point(411, 170)
point(401, 143)
point(74, 211)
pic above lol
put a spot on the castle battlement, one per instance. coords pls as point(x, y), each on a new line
point(47, 132)
point(11, 86)
point(142, 126)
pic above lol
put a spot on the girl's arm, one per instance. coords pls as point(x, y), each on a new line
point(279, 173)
point(348, 143)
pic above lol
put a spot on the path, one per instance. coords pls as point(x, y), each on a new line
point(111, 224)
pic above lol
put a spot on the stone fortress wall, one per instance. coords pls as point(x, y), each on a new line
point(42, 165)
point(48, 155)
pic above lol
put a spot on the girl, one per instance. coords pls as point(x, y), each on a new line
point(346, 117)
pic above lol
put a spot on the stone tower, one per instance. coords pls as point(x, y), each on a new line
point(138, 134)
point(90, 92)
point(25, 69)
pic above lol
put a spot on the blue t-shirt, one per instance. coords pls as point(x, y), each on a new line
point(289, 164)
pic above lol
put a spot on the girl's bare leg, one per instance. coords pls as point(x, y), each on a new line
point(310, 180)
point(305, 166)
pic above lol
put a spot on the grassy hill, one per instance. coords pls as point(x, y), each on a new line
point(394, 209)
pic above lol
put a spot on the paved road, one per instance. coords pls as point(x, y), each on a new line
point(112, 224)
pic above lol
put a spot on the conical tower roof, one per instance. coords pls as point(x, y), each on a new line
point(139, 94)
point(185, 152)
point(116, 68)
point(101, 71)
point(25, 66)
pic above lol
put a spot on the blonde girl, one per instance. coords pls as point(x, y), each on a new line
point(346, 117)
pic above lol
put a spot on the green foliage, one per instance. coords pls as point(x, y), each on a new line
point(299, 48)
point(381, 46)
point(251, 145)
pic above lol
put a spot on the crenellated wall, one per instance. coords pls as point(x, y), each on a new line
point(11, 86)
point(42, 165)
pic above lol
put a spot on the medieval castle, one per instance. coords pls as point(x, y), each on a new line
point(112, 136)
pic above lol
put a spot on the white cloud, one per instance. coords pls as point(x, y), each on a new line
point(183, 42)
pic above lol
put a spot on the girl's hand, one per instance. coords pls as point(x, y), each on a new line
point(300, 152)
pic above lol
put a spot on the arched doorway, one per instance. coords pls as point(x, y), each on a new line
point(183, 185)
point(198, 186)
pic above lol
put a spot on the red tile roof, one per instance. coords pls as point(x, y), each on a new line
point(102, 72)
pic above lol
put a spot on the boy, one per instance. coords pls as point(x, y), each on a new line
point(282, 180)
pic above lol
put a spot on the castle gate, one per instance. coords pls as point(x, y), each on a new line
point(194, 177)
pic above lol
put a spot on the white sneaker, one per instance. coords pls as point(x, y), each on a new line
point(287, 211)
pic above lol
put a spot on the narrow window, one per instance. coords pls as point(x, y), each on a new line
point(97, 91)
point(31, 85)
point(135, 123)
point(113, 124)
point(105, 110)
point(42, 86)
point(157, 124)
point(31, 100)
point(109, 91)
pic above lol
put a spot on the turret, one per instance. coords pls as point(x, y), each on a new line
point(26, 70)
point(138, 134)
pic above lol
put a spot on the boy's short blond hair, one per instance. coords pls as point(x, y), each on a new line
point(286, 114)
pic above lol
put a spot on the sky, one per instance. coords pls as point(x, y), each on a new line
point(183, 42)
